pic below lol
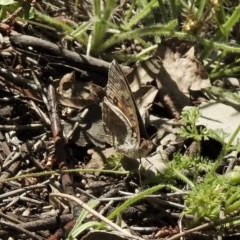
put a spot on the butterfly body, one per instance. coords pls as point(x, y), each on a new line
point(122, 122)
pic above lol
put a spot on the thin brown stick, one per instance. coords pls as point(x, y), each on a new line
point(20, 229)
point(61, 157)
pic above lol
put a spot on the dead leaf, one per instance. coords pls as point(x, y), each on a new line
point(90, 129)
point(179, 73)
point(144, 98)
point(144, 73)
point(77, 94)
point(98, 157)
point(140, 80)
point(155, 164)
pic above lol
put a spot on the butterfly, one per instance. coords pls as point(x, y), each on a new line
point(123, 124)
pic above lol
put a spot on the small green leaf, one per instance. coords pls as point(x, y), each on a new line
point(79, 227)
point(82, 228)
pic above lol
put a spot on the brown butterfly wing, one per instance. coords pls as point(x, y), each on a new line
point(117, 129)
point(119, 111)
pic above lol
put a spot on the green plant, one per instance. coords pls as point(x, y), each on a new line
point(148, 22)
point(222, 94)
point(207, 187)
point(105, 32)
point(217, 193)
point(189, 127)
point(134, 199)
point(9, 7)
point(80, 226)
point(138, 197)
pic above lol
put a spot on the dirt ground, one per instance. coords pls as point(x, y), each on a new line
point(76, 127)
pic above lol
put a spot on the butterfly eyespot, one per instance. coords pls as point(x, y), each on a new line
point(115, 101)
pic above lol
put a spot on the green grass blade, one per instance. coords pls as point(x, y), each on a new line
point(200, 10)
point(163, 11)
point(63, 27)
point(100, 23)
point(134, 199)
point(79, 226)
point(140, 15)
point(157, 29)
point(74, 234)
point(232, 20)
